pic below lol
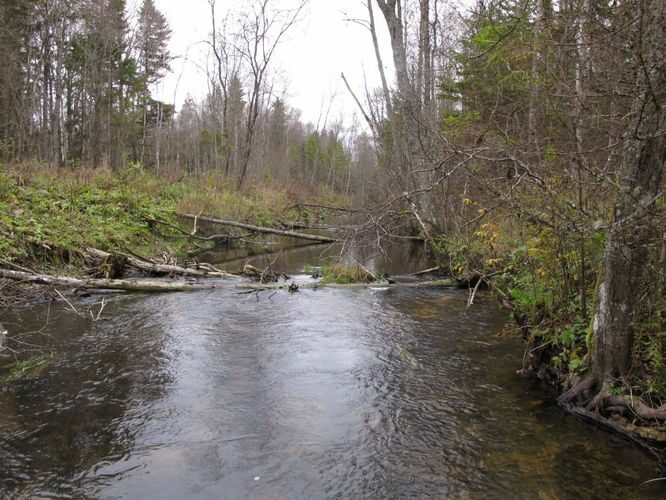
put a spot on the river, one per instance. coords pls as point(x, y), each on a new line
point(329, 393)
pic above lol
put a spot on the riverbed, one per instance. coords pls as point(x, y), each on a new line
point(328, 393)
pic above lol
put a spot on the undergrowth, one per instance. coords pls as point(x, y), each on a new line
point(537, 273)
point(49, 216)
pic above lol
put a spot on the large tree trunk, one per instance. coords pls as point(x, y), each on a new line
point(644, 154)
point(537, 61)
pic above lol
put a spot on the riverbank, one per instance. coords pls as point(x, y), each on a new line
point(48, 217)
point(548, 278)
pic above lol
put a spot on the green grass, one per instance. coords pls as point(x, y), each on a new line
point(49, 216)
point(345, 275)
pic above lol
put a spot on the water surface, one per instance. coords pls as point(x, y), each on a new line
point(324, 393)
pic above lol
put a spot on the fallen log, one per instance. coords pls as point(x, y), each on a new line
point(105, 284)
point(260, 229)
point(305, 225)
point(444, 283)
point(168, 286)
point(163, 269)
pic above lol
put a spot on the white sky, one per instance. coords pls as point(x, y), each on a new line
point(310, 60)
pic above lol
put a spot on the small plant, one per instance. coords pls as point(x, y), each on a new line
point(23, 366)
point(345, 275)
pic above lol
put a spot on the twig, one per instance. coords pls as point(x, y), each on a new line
point(470, 301)
point(68, 302)
point(16, 266)
point(653, 480)
point(99, 313)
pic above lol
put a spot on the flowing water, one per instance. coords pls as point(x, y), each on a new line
point(343, 393)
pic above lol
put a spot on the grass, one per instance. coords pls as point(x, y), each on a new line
point(48, 216)
point(344, 275)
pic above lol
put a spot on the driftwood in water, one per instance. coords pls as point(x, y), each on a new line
point(160, 269)
point(106, 284)
point(259, 229)
point(167, 286)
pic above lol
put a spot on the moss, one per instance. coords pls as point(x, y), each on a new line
point(48, 216)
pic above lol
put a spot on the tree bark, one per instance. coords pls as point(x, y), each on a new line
point(106, 284)
point(535, 75)
point(644, 155)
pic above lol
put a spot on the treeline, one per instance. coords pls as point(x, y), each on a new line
point(335, 156)
point(76, 80)
point(78, 84)
point(529, 140)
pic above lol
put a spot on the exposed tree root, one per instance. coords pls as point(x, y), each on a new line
point(604, 401)
point(637, 407)
point(610, 425)
point(581, 395)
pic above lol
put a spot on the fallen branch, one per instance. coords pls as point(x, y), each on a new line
point(260, 229)
point(324, 227)
point(215, 237)
point(105, 284)
point(160, 269)
point(428, 271)
point(327, 207)
point(472, 294)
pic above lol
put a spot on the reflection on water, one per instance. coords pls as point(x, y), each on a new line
point(289, 256)
point(349, 393)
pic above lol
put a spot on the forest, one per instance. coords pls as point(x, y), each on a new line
point(522, 141)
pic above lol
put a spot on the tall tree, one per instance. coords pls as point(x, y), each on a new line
point(633, 226)
point(154, 61)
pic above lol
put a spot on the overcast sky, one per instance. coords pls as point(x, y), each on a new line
point(316, 51)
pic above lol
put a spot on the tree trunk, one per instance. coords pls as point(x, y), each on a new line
point(644, 155)
point(535, 76)
point(410, 151)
